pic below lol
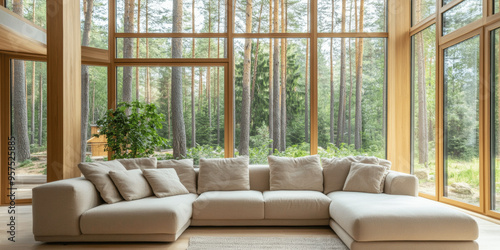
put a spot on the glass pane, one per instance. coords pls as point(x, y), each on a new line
point(461, 121)
point(35, 11)
point(462, 14)
point(162, 47)
point(29, 124)
point(94, 107)
point(422, 9)
point(351, 100)
point(94, 27)
point(495, 121)
point(290, 98)
point(496, 6)
point(445, 2)
point(295, 15)
point(202, 105)
point(424, 107)
point(331, 15)
point(156, 16)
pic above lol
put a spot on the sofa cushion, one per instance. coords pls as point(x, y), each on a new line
point(301, 173)
point(97, 173)
point(138, 163)
point(296, 204)
point(131, 184)
point(229, 205)
point(227, 174)
point(145, 216)
point(335, 170)
point(385, 217)
point(185, 171)
point(365, 178)
point(164, 182)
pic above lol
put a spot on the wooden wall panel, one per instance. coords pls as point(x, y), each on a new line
point(63, 89)
point(399, 86)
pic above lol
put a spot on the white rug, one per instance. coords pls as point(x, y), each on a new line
point(244, 243)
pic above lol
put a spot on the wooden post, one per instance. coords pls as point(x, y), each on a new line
point(63, 89)
point(399, 87)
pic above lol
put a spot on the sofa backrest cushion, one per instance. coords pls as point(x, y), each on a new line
point(131, 184)
point(300, 173)
point(97, 173)
point(185, 171)
point(164, 182)
point(138, 163)
point(365, 178)
point(335, 170)
point(226, 174)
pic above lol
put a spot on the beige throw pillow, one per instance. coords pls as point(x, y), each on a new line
point(164, 182)
point(302, 173)
point(131, 184)
point(138, 163)
point(365, 178)
point(185, 171)
point(228, 174)
point(335, 170)
point(97, 173)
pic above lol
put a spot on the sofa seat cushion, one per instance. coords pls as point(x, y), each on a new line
point(229, 205)
point(385, 217)
point(150, 215)
point(296, 204)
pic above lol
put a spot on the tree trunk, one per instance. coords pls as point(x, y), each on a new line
point(137, 51)
point(306, 90)
point(359, 83)
point(128, 27)
point(20, 107)
point(350, 83)
point(33, 67)
point(332, 85)
point(93, 103)
point(276, 85)
point(40, 113)
point(208, 74)
point(423, 138)
point(341, 115)
point(218, 79)
point(85, 80)
point(245, 98)
point(179, 133)
point(283, 77)
point(193, 111)
point(200, 91)
point(271, 77)
point(256, 62)
point(148, 83)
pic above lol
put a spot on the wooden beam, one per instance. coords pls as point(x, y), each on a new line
point(90, 55)
point(399, 86)
point(63, 89)
point(13, 41)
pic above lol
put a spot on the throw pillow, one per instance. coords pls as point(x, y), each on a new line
point(138, 163)
point(335, 170)
point(223, 174)
point(302, 173)
point(164, 182)
point(365, 178)
point(97, 173)
point(185, 171)
point(131, 184)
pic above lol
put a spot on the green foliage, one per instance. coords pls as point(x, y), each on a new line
point(26, 163)
point(132, 135)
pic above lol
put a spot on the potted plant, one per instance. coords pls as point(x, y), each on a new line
point(131, 130)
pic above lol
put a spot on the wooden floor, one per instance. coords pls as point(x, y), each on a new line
point(489, 234)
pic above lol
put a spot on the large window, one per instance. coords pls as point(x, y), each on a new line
point(495, 121)
point(422, 9)
point(29, 124)
point(351, 80)
point(200, 108)
point(424, 108)
point(35, 11)
point(462, 14)
point(461, 121)
point(94, 23)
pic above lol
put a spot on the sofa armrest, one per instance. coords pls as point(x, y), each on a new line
point(57, 206)
point(401, 184)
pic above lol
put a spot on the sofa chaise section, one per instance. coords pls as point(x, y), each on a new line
point(384, 221)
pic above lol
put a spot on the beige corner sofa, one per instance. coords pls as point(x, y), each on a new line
point(72, 211)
